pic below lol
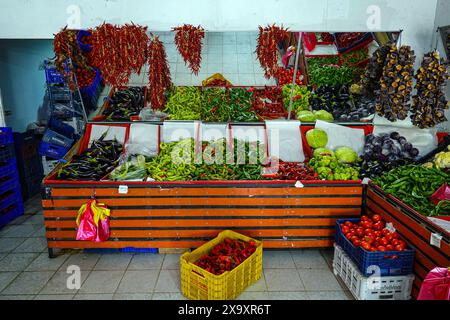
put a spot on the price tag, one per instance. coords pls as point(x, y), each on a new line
point(365, 181)
point(435, 239)
point(390, 226)
point(123, 189)
point(298, 184)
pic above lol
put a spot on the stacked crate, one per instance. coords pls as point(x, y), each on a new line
point(11, 204)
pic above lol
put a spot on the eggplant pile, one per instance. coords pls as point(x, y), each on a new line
point(125, 103)
point(393, 98)
point(340, 103)
point(371, 78)
point(429, 103)
point(384, 152)
point(94, 163)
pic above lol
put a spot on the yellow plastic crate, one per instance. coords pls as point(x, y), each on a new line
point(199, 284)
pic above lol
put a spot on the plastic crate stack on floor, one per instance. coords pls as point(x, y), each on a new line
point(11, 204)
point(376, 275)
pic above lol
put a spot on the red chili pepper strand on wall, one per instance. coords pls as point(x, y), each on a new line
point(267, 48)
point(158, 73)
point(189, 42)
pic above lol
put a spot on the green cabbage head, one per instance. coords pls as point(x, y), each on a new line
point(317, 138)
point(346, 155)
point(324, 115)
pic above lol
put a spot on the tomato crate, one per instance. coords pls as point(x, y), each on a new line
point(199, 284)
point(387, 263)
point(373, 287)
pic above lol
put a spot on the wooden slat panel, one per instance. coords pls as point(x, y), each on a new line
point(200, 233)
point(202, 222)
point(102, 192)
point(183, 244)
point(408, 234)
point(215, 212)
point(208, 202)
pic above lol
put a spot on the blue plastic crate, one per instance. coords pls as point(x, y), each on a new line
point(61, 94)
point(101, 250)
point(53, 137)
point(6, 136)
point(139, 250)
point(82, 45)
point(61, 127)
point(7, 152)
point(8, 168)
point(391, 263)
point(9, 214)
point(52, 151)
point(9, 183)
point(10, 197)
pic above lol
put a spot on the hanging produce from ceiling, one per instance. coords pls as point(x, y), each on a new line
point(429, 103)
point(158, 73)
point(374, 71)
point(267, 48)
point(189, 42)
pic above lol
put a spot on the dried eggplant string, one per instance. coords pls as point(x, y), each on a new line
point(393, 98)
point(158, 73)
point(189, 42)
point(429, 103)
point(267, 48)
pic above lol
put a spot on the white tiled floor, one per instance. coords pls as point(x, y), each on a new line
point(26, 272)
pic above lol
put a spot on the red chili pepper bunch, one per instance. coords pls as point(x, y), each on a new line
point(189, 42)
point(326, 37)
point(346, 39)
point(158, 73)
point(69, 57)
point(267, 48)
point(269, 102)
point(285, 76)
point(226, 256)
point(119, 51)
point(295, 171)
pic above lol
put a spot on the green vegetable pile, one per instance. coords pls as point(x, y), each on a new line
point(300, 98)
point(179, 161)
point(331, 75)
point(214, 107)
point(414, 185)
point(184, 104)
point(240, 104)
point(330, 168)
point(130, 170)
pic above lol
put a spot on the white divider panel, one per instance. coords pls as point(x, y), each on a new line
point(285, 140)
point(114, 132)
point(341, 136)
point(249, 133)
point(178, 130)
point(144, 139)
point(423, 139)
point(211, 132)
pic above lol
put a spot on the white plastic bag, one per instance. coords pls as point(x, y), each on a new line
point(285, 140)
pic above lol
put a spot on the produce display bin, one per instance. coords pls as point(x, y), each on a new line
point(390, 263)
point(415, 228)
point(199, 284)
point(370, 288)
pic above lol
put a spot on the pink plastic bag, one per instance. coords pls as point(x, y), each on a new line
point(93, 222)
point(443, 193)
point(436, 285)
point(87, 230)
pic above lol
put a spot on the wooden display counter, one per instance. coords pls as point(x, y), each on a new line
point(187, 214)
point(415, 228)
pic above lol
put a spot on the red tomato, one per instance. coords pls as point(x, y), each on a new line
point(360, 232)
point(353, 238)
point(367, 231)
point(381, 248)
point(377, 233)
point(364, 218)
point(345, 229)
point(368, 239)
point(394, 235)
point(357, 243)
point(348, 223)
point(402, 243)
point(394, 242)
point(365, 245)
point(399, 248)
point(378, 225)
point(390, 247)
point(383, 241)
point(373, 249)
point(342, 225)
point(348, 235)
point(376, 218)
point(385, 231)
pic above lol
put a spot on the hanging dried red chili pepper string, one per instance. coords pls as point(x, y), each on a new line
point(189, 42)
point(158, 73)
point(267, 48)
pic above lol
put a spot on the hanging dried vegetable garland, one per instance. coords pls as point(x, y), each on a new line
point(119, 51)
point(189, 42)
point(69, 57)
point(158, 73)
point(393, 98)
point(429, 103)
point(267, 48)
point(371, 79)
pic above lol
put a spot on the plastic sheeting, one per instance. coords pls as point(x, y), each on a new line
point(285, 141)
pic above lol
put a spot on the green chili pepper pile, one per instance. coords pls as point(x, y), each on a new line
point(352, 58)
point(240, 104)
point(184, 161)
point(214, 106)
point(130, 170)
point(184, 103)
point(329, 168)
point(331, 75)
point(94, 163)
point(414, 185)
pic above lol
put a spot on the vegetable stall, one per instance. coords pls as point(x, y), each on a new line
point(216, 157)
